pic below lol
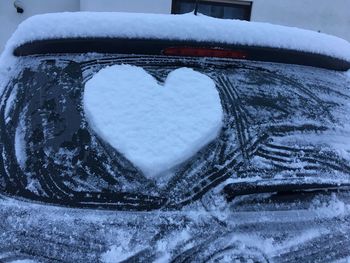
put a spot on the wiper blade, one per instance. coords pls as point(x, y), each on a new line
point(233, 190)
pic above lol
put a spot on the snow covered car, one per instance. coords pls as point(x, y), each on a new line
point(173, 138)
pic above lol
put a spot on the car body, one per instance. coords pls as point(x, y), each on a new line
point(273, 186)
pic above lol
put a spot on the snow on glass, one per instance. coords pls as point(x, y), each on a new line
point(155, 125)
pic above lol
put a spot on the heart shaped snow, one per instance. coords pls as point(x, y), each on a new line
point(156, 127)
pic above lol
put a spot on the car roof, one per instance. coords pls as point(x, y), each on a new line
point(178, 27)
point(184, 29)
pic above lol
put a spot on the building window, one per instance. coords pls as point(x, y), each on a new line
point(217, 8)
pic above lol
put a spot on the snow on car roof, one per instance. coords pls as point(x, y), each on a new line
point(176, 27)
point(187, 27)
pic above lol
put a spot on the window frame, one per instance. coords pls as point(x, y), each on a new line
point(228, 3)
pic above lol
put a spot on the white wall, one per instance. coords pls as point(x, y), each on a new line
point(328, 16)
point(9, 18)
point(139, 6)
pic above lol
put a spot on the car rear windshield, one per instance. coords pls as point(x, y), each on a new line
point(280, 122)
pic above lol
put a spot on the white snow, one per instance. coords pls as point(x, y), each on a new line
point(124, 249)
point(156, 126)
point(172, 27)
point(116, 254)
point(9, 102)
point(333, 207)
point(177, 238)
point(175, 27)
point(20, 143)
point(24, 261)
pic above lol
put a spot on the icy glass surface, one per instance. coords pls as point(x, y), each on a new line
point(281, 122)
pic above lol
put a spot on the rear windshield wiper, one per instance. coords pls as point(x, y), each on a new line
point(233, 190)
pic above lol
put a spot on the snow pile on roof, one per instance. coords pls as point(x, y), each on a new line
point(176, 27)
point(156, 126)
point(172, 27)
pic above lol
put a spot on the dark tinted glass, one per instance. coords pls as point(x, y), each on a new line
point(214, 9)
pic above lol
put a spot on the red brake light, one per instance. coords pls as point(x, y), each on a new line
point(204, 52)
